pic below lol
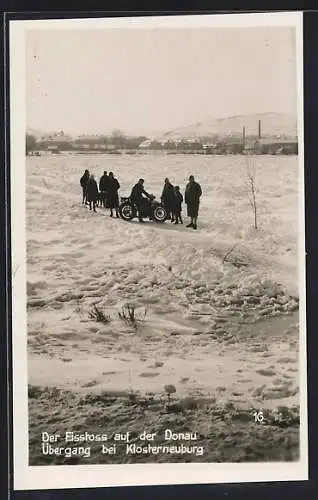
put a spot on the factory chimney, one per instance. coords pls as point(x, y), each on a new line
point(259, 129)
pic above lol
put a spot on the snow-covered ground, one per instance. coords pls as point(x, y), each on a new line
point(225, 330)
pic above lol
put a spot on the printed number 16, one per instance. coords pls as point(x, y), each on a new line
point(258, 416)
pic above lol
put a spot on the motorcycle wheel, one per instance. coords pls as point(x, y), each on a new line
point(127, 211)
point(160, 214)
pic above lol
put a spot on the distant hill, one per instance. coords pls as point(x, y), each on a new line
point(272, 125)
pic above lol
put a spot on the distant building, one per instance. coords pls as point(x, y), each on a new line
point(209, 145)
point(57, 137)
point(145, 144)
point(53, 149)
point(271, 146)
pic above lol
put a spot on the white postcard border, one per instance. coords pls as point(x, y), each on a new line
point(84, 476)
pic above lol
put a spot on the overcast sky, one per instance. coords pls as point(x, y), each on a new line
point(145, 80)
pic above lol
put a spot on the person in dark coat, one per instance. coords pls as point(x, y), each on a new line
point(92, 192)
point(168, 198)
point(83, 182)
point(177, 208)
point(138, 199)
point(103, 187)
point(193, 193)
point(113, 199)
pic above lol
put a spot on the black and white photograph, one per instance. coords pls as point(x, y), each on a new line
point(158, 256)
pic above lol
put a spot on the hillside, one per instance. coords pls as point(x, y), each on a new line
point(272, 124)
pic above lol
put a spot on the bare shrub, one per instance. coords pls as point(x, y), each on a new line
point(128, 314)
point(97, 315)
point(233, 260)
point(228, 253)
point(251, 191)
point(169, 389)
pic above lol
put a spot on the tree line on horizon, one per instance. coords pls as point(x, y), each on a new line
point(116, 140)
point(119, 141)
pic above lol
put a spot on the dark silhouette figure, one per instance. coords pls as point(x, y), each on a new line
point(103, 187)
point(141, 202)
point(168, 198)
point(113, 199)
point(193, 193)
point(83, 182)
point(92, 192)
point(177, 209)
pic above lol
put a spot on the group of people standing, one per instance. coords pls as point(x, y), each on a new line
point(173, 199)
point(107, 195)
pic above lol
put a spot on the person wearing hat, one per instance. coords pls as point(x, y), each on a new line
point(193, 194)
point(113, 199)
point(138, 199)
point(168, 198)
point(103, 187)
point(92, 192)
point(83, 183)
point(177, 208)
